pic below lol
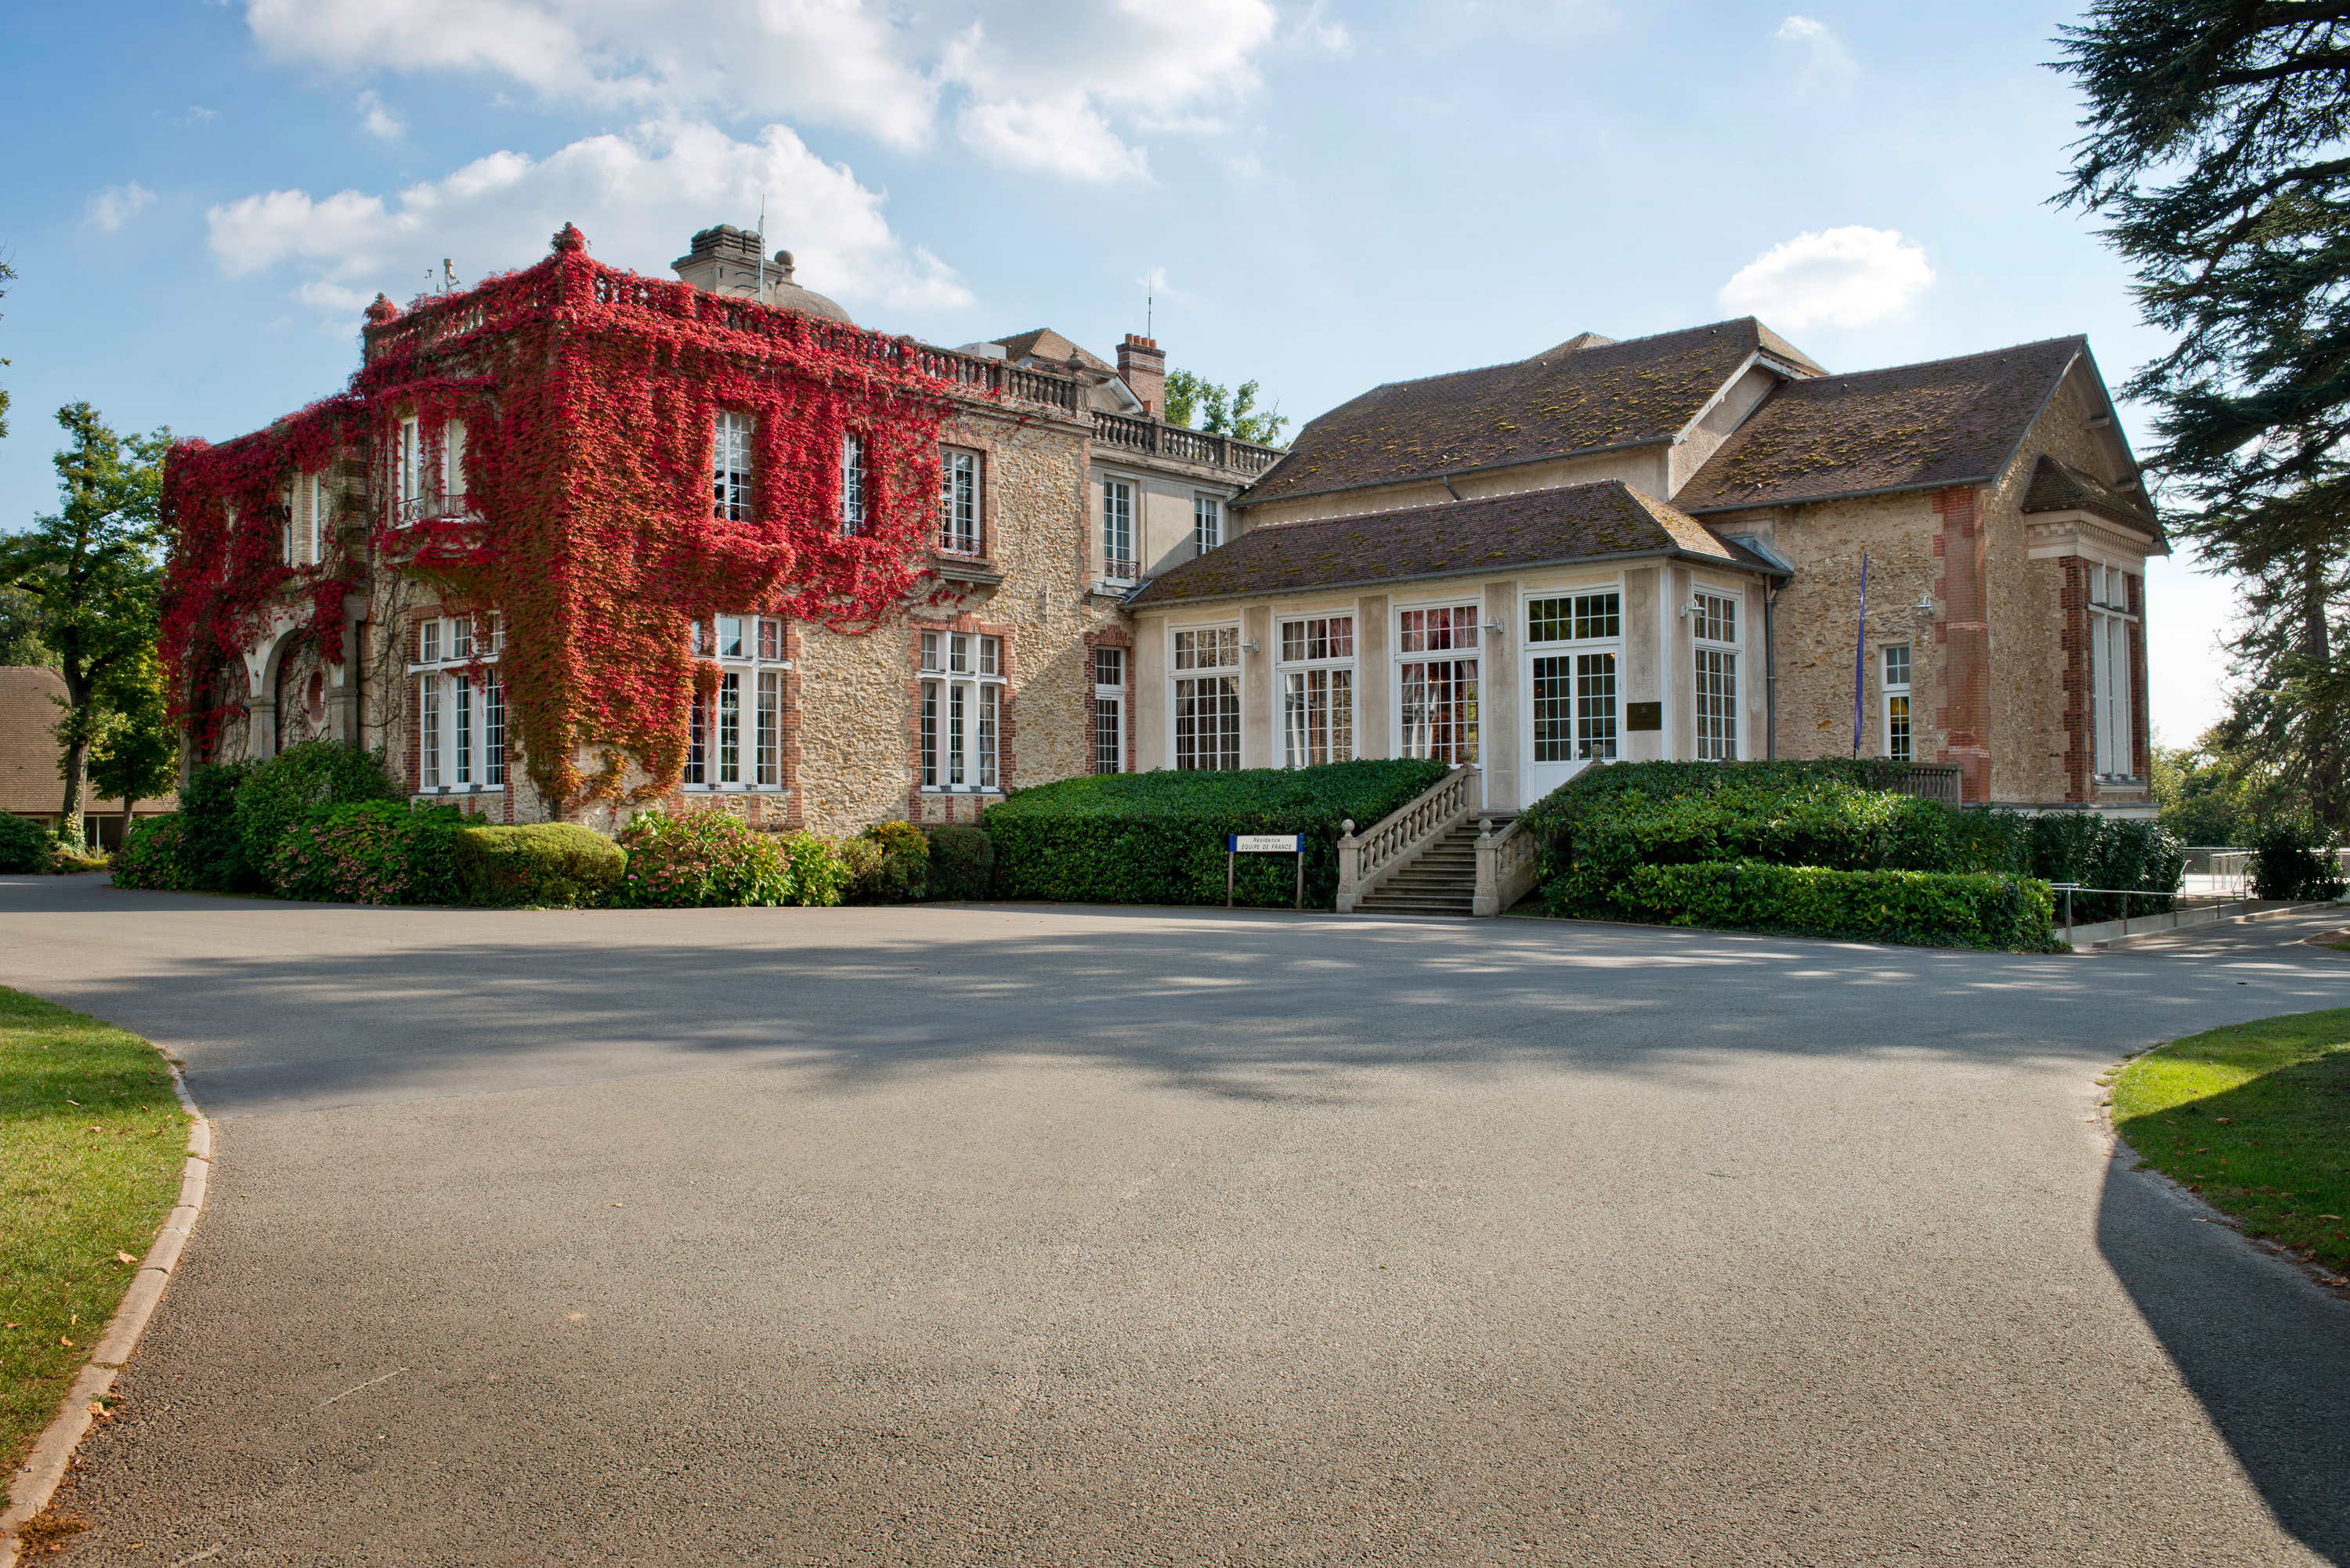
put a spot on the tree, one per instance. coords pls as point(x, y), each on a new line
point(20, 639)
point(2219, 145)
point(139, 757)
point(91, 573)
point(1190, 398)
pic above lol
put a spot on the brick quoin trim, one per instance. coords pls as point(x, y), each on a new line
point(1963, 637)
point(1007, 723)
point(2079, 748)
point(1111, 636)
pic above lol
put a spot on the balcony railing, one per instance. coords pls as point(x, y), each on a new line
point(430, 508)
point(1160, 439)
point(1117, 570)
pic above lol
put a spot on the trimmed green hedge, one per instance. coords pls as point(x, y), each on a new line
point(1930, 908)
point(962, 861)
point(1159, 837)
point(558, 865)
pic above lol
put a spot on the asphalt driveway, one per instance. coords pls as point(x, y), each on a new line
point(1051, 1236)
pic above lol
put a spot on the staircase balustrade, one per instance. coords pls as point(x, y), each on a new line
point(1399, 837)
point(1507, 864)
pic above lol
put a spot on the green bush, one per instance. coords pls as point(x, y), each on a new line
point(297, 782)
point(962, 860)
point(371, 852)
point(818, 875)
point(558, 865)
point(2292, 857)
point(24, 844)
point(1976, 910)
point(211, 852)
point(152, 857)
point(1159, 837)
point(704, 860)
point(897, 869)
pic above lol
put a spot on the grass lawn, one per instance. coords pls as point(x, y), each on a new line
point(2256, 1117)
point(91, 1145)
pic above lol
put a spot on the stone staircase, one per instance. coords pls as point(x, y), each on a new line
point(1441, 881)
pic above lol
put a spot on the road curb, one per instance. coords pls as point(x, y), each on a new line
point(2106, 944)
point(32, 1487)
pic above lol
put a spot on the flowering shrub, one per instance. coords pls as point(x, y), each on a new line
point(297, 782)
point(558, 865)
point(24, 844)
point(816, 868)
point(588, 396)
point(150, 857)
point(373, 852)
point(707, 859)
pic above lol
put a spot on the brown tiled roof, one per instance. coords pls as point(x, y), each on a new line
point(1049, 345)
point(1561, 400)
point(1532, 528)
point(30, 784)
point(1952, 421)
point(2060, 487)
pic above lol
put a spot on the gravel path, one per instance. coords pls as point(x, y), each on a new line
point(1011, 1234)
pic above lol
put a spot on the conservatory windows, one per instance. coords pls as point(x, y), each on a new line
point(1437, 688)
point(959, 531)
point(1317, 691)
point(1897, 702)
point(852, 485)
point(1207, 703)
point(1714, 619)
point(961, 716)
point(730, 468)
point(734, 728)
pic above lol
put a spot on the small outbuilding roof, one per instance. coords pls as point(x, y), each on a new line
point(1532, 528)
point(1587, 394)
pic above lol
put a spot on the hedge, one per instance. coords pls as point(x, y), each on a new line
point(962, 861)
point(301, 781)
point(212, 851)
point(24, 844)
point(2292, 857)
point(150, 856)
point(1159, 837)
point(1996, 909)
point(708, 859)
point(371, 852)
point(558, 865)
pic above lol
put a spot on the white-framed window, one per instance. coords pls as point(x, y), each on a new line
point(1109, 709)
point(408, 471)
point(319, 502)
point(1435, 682)
point(733, 733)
point(1207, 523)
point(1894, 660)
point(1208, 705)
point(461, 703)
point(730, 467)
point(2110, 621)
point(1317, 691)
point(1714, 624)
point(454, 500)
point(1576, 714)
point(959, 502)
point(852, 484)
point(286, 533)
point(1118, 531)
point(962, 710)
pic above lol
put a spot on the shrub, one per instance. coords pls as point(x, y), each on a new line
point(211, 854)
point(962, 859)
point(702, 859)
point(1933, 908)
point(301, 780)
point(150, 857)
point(898, 870)
point(817, 874)
point(2292, 857)
point(558, 865)
point(24, 844)
point(1159, 837)
point(371, 852)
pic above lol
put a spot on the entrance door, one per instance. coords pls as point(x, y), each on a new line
point(1573, 651)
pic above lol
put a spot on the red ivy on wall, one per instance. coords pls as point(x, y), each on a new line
point(588, 396)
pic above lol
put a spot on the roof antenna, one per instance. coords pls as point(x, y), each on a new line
point(1149, 303)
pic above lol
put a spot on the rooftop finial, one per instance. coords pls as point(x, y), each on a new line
point(568, 239)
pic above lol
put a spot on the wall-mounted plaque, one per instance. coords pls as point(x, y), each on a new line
point(1644, 715)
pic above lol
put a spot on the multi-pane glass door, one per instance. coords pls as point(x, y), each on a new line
point(1573, 643)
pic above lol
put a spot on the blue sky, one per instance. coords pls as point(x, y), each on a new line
point(202, 196)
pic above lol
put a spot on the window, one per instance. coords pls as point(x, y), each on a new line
point(1897, 702)
point(1117, 530)
point(461, 707)
point(959, 502)
point(1109, 709)
point(493, 729)
point(733, 733)
point(428, 733)
point(319, 502)
point(462, 712)
point(730, 468)
point(2111, 622)
point(408, 471)
point(962, 710)
point(1573, 691)
point(1208, 706)
point(1715, 618)
point(852, 485)
point(1437, 698)
point(1207, 523)
point(1317, 691)
point(455, 502)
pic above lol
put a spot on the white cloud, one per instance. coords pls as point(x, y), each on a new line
point(117, 205)
point(1031, 83)
point(382, 122)
point(197, 115)
point(1841, 277)
point(639, 197)
point(1826, 62)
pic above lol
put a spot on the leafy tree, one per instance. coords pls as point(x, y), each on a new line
point(20, 639)
point(2216, 146)
point(139, 759)
point(91, 572)
point(1219, 412)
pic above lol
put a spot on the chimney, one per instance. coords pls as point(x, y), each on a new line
point(1143, 369)
point(724, 260)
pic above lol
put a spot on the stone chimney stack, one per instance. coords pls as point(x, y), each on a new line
point(724, 260)
point(1143, 369)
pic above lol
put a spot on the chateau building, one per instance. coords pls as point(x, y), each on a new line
point(578, 542)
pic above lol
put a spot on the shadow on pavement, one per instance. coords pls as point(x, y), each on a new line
point(2267, 1354)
